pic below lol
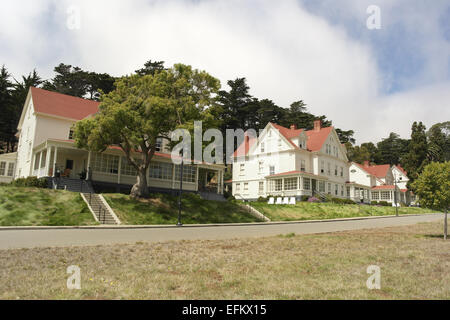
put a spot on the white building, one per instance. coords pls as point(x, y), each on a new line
point(46, 146)
point(291, 162)
point(381, 182)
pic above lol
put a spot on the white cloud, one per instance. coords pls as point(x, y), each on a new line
point(286, 53)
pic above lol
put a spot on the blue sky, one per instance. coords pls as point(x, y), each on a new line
point(371, 81)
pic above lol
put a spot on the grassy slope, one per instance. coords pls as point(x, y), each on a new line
point(414, 262)
point(311, 211)
point(42, 207)
point(163, 209)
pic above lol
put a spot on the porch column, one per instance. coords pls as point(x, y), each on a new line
point(173, 177)
point(55, 160)
point(47, 160)
point(88, 174)
point(119, 170)
point(196, 179)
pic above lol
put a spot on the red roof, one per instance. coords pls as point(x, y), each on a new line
point(379, 171)
point(385, 187)
point(292, 172)
point(315, 139)
point(402, 170)
point(62, 105)
point(242, 150)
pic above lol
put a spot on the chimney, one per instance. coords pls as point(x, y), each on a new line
point(317, 125)
point(293, 127)
point(366, 164)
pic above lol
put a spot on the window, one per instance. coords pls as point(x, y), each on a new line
point(278, 184)
point(242, 169)
point(279, 142)
point(376, 195)
point(2, 168)
point(385, 195)
point(127, 169)
point(44, 158)
point(329, 188)
point(262, 147)
point(348, 192)
point(269, 133)
point(246, 186)
point(342, 191)
point(328, 168)
point(321, 186)
point(260, 167)
point(105, 163)
point(342, 171)
point(336, 189)
point(36, 161)
point(189, 173)
point(290, 184)
point(303, 165)
point(261, 187)
point(10, 169)
point(161, 170)
point(159, 144)
point(272, 170)
point(322, 166)
point(335, 170)
point(238, 186)
point(306, 183)
point(70, 134)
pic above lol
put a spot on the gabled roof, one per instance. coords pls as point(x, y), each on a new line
point(62, 105)
point(314, 142)
point(401, 170)
point(379, 171)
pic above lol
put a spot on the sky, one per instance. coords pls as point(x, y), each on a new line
point(373, 81)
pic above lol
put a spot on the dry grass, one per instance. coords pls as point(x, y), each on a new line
point(414, 261)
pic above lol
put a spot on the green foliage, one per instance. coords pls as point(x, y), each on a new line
point(342, 201)
point(438, 144)
point(433, 186)
point(163, 209)
point(30, 182)
point(384, 203)
point(416, 159)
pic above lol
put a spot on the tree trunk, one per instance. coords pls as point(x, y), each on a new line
point(140, 189)
point(445, 225)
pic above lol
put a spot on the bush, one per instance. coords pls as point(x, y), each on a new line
point(30, 182)
point(313, 199)
point(304, 198)
point(373, 202)
point(262, 199)
point(384, 203)
point(342, 201)
point(231, 198)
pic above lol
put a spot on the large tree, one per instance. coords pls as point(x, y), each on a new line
point(142, 109)
point(433, 188)
point(416, 159)
point(438, 143)
point(5, 108)
point(392, 149)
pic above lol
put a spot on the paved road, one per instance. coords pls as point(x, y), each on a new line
point(29, 238)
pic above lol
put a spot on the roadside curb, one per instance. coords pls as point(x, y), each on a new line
point(124, 227)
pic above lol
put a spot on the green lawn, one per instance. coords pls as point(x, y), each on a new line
point(327, 210)
point(21, 206)
point(163, 209)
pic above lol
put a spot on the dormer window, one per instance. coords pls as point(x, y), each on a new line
point(159, 144)
point(262, 147)
point(70, 134)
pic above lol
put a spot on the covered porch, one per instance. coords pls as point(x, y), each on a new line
point(295, 184)
point(358, 193)
point(61, 158)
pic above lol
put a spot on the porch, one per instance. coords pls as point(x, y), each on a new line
point(295, 185)
point(63, 159)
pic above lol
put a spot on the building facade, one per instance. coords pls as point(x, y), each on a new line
point(46, 146)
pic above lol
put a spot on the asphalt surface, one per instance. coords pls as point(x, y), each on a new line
point(62, 237)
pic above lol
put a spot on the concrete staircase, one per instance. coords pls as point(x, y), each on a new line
point(100, 209)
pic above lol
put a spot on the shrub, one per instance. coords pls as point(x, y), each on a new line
point(304, 198)
point(373, 202)
point(342, 201)
point(30, 182)
point(231, 198)
point(313, 199)
point(384, 203)
point(262, 199)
